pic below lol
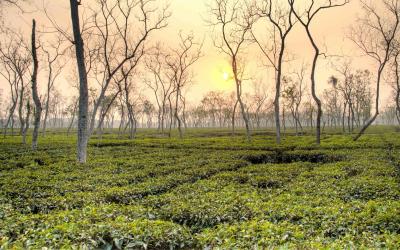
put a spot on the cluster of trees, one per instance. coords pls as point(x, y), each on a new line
point(123, 80)
point(16, 58)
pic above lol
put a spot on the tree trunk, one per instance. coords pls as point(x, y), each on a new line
point(348, 119)
point(170, 115)
point(131, 122)
point(283, 121)
point(295, 120)
point(36, 99)
point(276, 105)
point(373, 118)
point(94, 112)
point(122, 121)
point(10, 118)
point(184, 112)
point(177, 114)
point(70, 125)
point(21, 105)
point(105, 111)
point(233, 117)
point(46, 113)
point(83, 85)
point(352, 117)
point(239, 98)
point(343, 117)
point(28, 114)
point(313, 91)
point(298, 122)
point(397, 89)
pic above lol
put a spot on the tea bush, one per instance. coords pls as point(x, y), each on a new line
point(208, 191)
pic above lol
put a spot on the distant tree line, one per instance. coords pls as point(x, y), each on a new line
point(124, 81)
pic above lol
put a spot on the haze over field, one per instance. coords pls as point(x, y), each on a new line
point(331, 28)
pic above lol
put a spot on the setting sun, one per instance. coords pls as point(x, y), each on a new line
point(225, 76)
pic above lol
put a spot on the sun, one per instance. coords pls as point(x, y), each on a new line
point(225, 76)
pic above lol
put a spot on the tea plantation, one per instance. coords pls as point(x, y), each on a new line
point(208, 191)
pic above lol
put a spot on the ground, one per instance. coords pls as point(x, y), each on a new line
point(208, 191)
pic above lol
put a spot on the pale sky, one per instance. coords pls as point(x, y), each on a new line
point(330, 27)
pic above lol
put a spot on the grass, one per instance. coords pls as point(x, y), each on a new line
point(208, 191)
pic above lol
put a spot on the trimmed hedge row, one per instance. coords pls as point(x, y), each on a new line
point(199, 193)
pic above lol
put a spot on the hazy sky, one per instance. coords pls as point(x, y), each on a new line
point(330, 27)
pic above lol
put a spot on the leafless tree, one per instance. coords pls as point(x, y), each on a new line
point(306, 19)
point(107, 104)
point(83, 83)
point(235, 23)
point(35, 95)
point(53, 54)
point(346, 86)
point(71, 111)
point(15, 58)
point(375, 35)
point(129, 88)
point(123, 27)
point(332, 102)
point(214, 105)
point(293, 90)
point(259, 98)
point(281, 18)
point(300, 79)
point(12, 78)
point(179, 64)
point(159, 82)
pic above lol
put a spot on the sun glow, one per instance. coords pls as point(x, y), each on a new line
point(220, 75)
point(225, 76)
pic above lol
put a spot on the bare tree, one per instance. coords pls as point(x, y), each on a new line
point(375, 35)
point(15, 61)
point(35, 95)
point(54, 67)
point(312, 10)
point(259, 98)
point(148, 111)
point(235, 22)
point(293, 93)
point(214, 105)
point(83, 84)
point(115, 22)
point(179, 66)
point(71, 111)
point(332, 102)
point(11, 76)
point(280, 16)
point(129, 88)
point(234, 103)
point(160, 85)
point(107, 104)
point(13, 80)
point(300, 88)
point(346, 86)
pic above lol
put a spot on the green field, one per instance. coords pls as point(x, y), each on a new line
point(208, 191)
